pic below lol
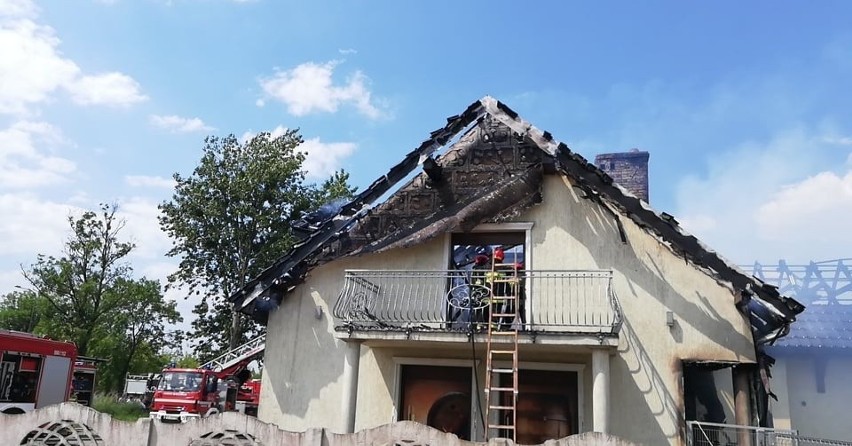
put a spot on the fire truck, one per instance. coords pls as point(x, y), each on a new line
point(223, 384)
point(36, 372)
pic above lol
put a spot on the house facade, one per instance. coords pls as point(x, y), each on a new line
point(624, 323)
point(814, 361)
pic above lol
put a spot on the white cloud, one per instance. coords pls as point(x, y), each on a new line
point(249, 134)
point(10, 279)
point(323, 159)
point(106, 89)
point(309, 88)
point(23, 164)
point(177, 124)
point(838, 140)
point(770, 201)
point(347, 51)
point(18, 8)
point(32, 225)
point(149, 181)
point(32, 68)
point(810, 215)
point(143, 227)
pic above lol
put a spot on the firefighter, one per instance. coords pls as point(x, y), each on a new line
point(504, 271)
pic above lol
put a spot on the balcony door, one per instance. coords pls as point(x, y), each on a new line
point(471, 256)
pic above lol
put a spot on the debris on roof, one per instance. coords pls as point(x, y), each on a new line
point(492, 172)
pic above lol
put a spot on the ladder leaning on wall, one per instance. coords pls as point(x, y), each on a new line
point(502, 343)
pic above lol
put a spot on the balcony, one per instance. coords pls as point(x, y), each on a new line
point(558, 302)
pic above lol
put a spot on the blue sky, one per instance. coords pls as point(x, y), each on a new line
point(744, 106)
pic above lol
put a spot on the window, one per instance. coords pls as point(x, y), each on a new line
point(472, 255)
point(19, 378)
point(181, 381)
point(467, 248)
point(548, 404)
point(437, 396)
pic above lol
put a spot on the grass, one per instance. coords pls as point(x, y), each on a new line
point(120, 410)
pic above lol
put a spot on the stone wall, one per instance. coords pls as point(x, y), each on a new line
point(72, 424)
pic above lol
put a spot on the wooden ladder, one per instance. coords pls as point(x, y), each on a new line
point(504, 323)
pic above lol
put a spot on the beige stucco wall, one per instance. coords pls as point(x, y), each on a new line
point(302, 380)
point(801, 407)
point(303, 363)
point(571, 232)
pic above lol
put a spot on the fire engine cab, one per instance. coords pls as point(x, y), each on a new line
point(34, 371)
point(221, 385)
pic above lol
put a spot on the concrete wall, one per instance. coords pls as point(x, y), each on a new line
point(800, 406)
point(304, 361)
point(13, 428)
point(233, 429)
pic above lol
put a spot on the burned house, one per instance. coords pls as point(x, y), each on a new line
point(502, 241)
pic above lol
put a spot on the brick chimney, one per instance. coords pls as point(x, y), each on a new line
point(629, 169)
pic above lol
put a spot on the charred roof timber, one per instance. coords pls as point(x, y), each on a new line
point(352, 229)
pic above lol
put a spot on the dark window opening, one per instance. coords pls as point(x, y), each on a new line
point(437, 396)
point(476, 259)
point(701, 394)
point(547, 405)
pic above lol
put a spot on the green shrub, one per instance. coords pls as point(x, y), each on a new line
point(120, 410)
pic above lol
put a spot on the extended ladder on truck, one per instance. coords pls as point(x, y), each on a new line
point(239, 355)
point(504, 323)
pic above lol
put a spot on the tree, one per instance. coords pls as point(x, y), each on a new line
point(79, 285)
point(230, 219)
point(138, 334)
point(88, 295)
point(335, 188)
point(22, 311)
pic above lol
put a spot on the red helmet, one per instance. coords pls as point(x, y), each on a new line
point(498, 254)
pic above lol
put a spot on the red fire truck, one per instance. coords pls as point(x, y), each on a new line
point(222, 384)
point(36, 372)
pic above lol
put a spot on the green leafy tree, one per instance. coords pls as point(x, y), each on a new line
point(231, 219)
point(138, 336)
point(88, 295)
point(79, 285)
point(228, 221)
point(22, 311)
point(334, 188)
point(187, 362)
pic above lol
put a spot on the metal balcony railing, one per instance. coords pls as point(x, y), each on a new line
point(700, 433)
point(459, 300)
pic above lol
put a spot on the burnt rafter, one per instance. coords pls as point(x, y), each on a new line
point(434, 171)
point(576, 167)
point(465, 216)
point(468, 185)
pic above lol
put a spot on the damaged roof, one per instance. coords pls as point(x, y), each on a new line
point(493, 139)
point(823, 327)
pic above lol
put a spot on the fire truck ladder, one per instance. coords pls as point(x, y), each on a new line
point(229, 359)
point(504, 322)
